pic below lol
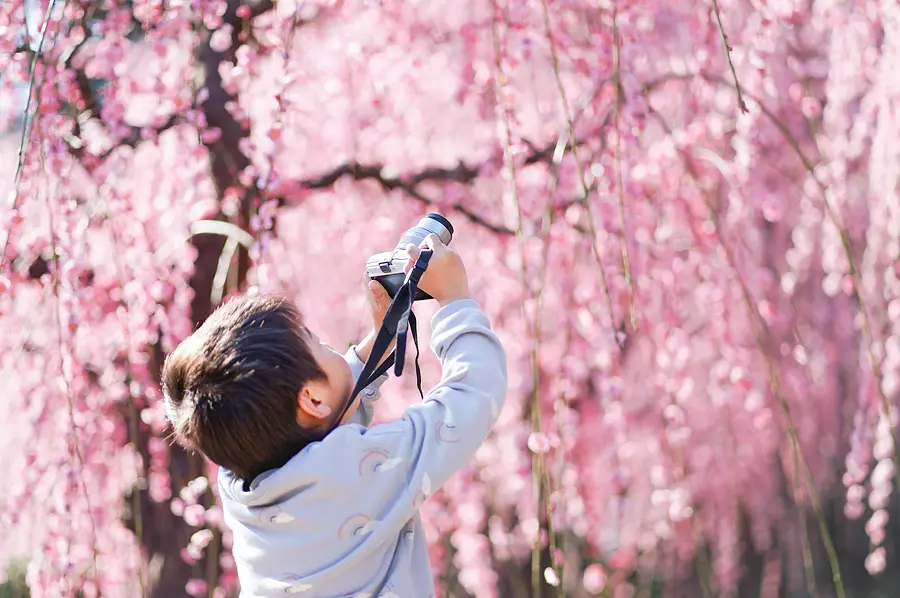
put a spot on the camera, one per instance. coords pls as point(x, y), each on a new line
point(389, 268)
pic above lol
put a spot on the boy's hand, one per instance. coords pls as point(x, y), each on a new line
point(378, 302)
point(445, 278)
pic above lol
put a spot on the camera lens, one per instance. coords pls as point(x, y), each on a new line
point(430, 224)
point(442, 221)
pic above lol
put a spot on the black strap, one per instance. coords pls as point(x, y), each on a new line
point(398, 321)
point(415, 335)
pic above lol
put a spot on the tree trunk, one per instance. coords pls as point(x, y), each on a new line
point(165, 535)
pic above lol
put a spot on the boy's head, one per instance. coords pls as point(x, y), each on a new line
point(252, 386)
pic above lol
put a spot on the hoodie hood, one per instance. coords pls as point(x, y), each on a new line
point(292, 523)
point(276, 485)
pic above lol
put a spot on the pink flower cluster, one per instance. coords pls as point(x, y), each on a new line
point(762, 263)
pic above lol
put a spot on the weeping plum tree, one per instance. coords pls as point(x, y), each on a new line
point(682, 218)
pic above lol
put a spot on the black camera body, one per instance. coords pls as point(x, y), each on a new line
point(389, 267)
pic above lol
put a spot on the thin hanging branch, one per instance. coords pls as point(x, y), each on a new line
point(274, 131)
point(549, 214)
point(74, 445)
point(133, 414)
point(579, 171)
point(763, 338)
point(500, 80)
point(27, 121)
point(617, 59)
point(737, 86)
point(844, 234)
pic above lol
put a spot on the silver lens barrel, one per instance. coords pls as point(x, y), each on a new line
point(430, 224)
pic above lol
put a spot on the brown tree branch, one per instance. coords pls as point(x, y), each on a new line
point(227, 166)
point(136, 136)
point(88, 103)
point(409, 183)
point(22, 48)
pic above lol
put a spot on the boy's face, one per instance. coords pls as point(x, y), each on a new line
point(321, 400)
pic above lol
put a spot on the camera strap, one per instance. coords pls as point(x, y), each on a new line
point(398, 322)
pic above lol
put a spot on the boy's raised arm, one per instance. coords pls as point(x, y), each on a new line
point(410, 458)
point(446, 429)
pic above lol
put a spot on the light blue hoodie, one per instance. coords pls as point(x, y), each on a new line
point(340, 519)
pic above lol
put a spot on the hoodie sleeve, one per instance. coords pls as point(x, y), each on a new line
point(407, 460)
point(369, 395)
point(385, 472)
point(444, 431)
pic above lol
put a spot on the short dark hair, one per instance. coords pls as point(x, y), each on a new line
point(231, 388)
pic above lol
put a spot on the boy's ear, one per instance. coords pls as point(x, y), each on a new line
point(309, 406)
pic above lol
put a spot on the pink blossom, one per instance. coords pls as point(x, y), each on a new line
point(214, 516)
point(188, 555)
point(202, 538)
point(226, 561)
point(538, 443)
point(875, 527)
point(653, 382)
point(875, 562)
point(195, 587)
point(625, 590)
point(221, 38)
point(594, 578)
point(551, 577)
point(211, 135)
point(854, 509)
point(194, 515)
point(883, 472)
point(623, 560)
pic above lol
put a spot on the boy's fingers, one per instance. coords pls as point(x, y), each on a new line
point(377, 291)
point(413, 253)
point(379, 302)
point(434, 243)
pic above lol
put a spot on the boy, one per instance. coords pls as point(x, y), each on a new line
point(331, 515)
